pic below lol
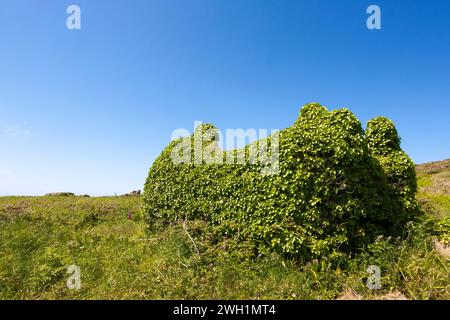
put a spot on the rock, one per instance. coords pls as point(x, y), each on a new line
point(59, 194)
point(133, 193)
point(442, 249)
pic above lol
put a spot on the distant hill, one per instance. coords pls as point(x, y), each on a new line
point(434, 187)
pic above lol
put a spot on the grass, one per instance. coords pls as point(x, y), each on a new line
point(120, 258)
point(434, 187)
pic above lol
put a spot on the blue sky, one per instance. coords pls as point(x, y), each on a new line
point(88, 110)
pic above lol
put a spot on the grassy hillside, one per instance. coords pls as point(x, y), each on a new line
point(120, 259)
point(434, 187)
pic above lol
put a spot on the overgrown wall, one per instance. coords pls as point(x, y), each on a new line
point(336, 187)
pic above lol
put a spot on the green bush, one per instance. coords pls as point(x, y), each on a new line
point(336, 188)
point(443, 230)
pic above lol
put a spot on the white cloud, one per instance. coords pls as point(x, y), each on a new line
point(16, 131)
point(6, 173)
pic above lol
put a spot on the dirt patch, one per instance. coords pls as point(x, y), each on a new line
point(440, 184)
point(442, 249)
point(350, 294)
point(9, 212)
point(395, 295)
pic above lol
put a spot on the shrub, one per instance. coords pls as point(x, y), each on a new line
point(337, 187)
point(443, 230)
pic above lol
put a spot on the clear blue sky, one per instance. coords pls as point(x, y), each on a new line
point(88, 111)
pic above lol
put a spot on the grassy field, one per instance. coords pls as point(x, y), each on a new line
point(434, 192)
point(120, 258)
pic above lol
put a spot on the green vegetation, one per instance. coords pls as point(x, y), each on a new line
point(125, 254)
point(338, 188)
point(434, 195)
point(120, 259)
point(434, 187)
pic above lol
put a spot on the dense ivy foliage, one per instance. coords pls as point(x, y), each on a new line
point(337, 187)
